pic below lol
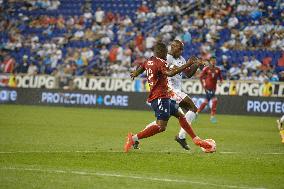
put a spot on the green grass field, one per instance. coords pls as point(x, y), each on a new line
point(56, 147)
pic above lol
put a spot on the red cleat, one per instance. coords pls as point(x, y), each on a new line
point(129, 143)
point(201, 143)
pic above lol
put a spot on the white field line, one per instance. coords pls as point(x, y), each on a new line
point(58, 171)
point(276, 153)
point(229, 152)
point(88, 151)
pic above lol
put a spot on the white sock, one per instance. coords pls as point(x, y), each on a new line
point(182, 133)
point(135, 138)
point(190, 116)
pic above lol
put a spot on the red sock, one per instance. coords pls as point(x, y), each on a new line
point(149, 131)
point(186, 126)
point(202, 106)
point(214, 107)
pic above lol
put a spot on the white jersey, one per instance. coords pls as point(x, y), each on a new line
point(175, 82)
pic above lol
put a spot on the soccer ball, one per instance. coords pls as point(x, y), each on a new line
point(212, 149)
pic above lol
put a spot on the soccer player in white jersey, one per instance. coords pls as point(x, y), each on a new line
point(175, 59)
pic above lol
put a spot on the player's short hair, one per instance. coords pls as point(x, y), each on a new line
point(213, 57)
point(160, 48)
point(178, 42)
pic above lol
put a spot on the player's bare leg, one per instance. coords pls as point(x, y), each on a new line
point(190, 115)
point(136, 143)
point(280, 127)
point(278, 124)
point(187, 127)
point(213, 110)
point(191, 109)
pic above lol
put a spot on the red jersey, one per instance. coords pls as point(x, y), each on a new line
point(9, 65)
point(209, 77)
point(158, 82)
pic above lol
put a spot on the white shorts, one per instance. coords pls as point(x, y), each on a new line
point(178, 96)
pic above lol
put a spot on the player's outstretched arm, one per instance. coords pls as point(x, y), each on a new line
point(190, 71)
point(137, 72)
point(176, 70)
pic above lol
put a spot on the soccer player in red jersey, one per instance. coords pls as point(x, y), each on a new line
point(159, 97)
point(209, 76)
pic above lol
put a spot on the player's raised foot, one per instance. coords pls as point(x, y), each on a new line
point(201, 143)
point(213, 119)
point(182, 142)
point(136, 145)
point(129, 143)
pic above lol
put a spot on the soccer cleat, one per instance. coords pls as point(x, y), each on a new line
point(136, 145)
point(129, 143)
point(213, 119)
point(182, 142)
point(201, 143)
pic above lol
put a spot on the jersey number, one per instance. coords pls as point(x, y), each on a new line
point(149, 74)
point(150, 63)
point(160, 105)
